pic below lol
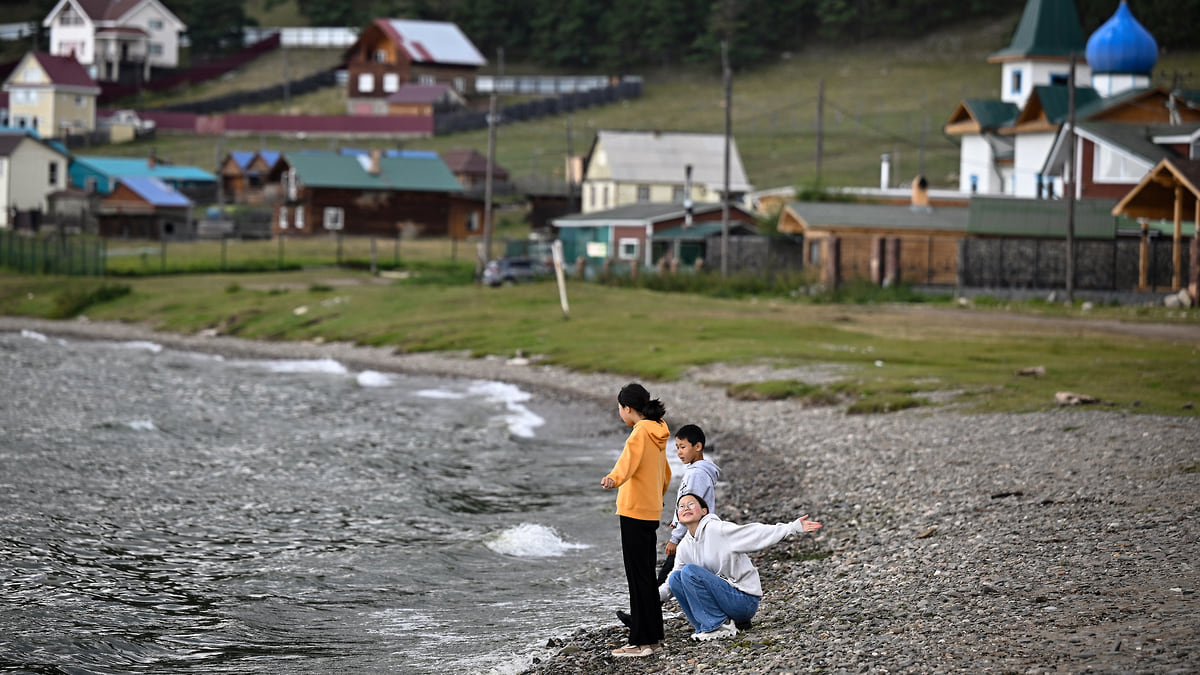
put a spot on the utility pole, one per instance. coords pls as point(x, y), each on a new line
point(486, 253)
point(1070, 187)
point(820, 124)
point(728, 72)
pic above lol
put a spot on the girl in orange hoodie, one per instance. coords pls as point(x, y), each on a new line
point(642, 476)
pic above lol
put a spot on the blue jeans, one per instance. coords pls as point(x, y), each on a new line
point(708, 600)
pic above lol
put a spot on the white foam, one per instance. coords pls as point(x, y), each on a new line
point(33, 335)
point(439, 393)
point(374, 378)
point(153, 347)
point(329, 366)
point(141, 425)
point(530, 540)
point(521, 420)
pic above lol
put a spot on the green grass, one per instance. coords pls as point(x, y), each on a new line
point(890, 356)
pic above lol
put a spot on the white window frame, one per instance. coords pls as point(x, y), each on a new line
point(283, 217)
point(335, 218)
point(628, 248)
point(426, 79)
point(1015, 81)
point(391, 82)
point(299, 221)
point(155, 24)
point(643, 193)
point(366, 83)
point(293, 183)
point(1128, 169)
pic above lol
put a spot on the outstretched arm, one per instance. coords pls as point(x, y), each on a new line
point(803, 524)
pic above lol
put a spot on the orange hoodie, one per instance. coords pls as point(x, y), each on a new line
point(642, 473)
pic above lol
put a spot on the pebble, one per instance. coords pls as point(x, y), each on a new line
point(1066, 540)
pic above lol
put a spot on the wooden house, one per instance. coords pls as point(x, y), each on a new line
point(471, 169)
point(627, 233)
point(144, 207)
point(30, 169)
point(640, 167)
point(243, 176)
point(104, 34)
point(52, 95)
point(371, 193)
point(390, 53)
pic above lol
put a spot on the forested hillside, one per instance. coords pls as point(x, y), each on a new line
point(624, 34)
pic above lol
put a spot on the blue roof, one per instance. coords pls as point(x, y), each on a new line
point(1122, 45)
point(125, 167)
point(269, 156)
point(242, 158)
point(155, 191)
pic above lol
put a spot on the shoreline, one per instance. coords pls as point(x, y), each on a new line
point(1059, 541)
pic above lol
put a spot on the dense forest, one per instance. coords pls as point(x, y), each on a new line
point(617, 35)
point(625, 34)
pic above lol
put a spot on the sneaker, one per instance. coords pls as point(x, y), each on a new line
point(638, 650)
point(727, 629)
point(625, 618)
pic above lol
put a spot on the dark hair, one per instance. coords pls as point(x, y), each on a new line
point(691, 433)
point(634, 395)
point(703, 504)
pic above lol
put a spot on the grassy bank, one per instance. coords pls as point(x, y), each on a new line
point(885, 357)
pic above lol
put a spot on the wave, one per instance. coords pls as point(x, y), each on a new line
point(530, 540)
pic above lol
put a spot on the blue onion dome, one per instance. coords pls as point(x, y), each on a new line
point(1122, 45)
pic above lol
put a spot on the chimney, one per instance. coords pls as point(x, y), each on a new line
point(151, 159)
point(885, 171)
point(373, 167)
point(920, 193)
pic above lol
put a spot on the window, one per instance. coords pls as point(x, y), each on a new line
point(366, 83)
point(292, 184)
point(333, 217)
point(380, 56)
point(31, 74)
point(79, 102)
point(25, 96)
point(53, 178)
point(643, 193)
point(592, 195)
point(426, 79)
point(1115, 167)
point(299, 217)
point(627, 249)
point(155, 24)
point(1060, 79)
point(156, 49)
point(283, 217)
point(391, 82)
point(605, 202)
point(814, 252)
point(677, 194)
point(1015, 86)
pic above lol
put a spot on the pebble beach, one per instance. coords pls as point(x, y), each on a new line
point(1065, 541)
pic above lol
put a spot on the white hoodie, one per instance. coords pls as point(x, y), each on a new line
point(721, 547)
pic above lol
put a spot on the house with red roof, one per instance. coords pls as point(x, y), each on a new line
point(393, 52)
point(52, 95)
point(104, 34)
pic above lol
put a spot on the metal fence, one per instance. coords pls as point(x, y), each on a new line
point(54, 254)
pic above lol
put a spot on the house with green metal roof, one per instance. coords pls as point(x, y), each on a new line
point(642, 233)
point(371, 193)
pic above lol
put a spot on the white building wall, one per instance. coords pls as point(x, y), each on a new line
point(1029, 157)
point(1037, 73)
point(75, 39)
point(167, 35)
point(977, 166)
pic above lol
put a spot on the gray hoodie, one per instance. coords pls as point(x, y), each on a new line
point(721, 547)
point(699, 478)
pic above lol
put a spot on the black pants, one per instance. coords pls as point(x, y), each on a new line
point(639, 544)
point(665, 570)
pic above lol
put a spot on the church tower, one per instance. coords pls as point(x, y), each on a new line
point(1121, 53)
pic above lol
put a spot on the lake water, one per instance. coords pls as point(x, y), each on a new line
point(165, 511)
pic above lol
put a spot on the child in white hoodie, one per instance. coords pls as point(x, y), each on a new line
point(713, 579)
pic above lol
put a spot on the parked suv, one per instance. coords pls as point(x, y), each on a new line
point(513, 270)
